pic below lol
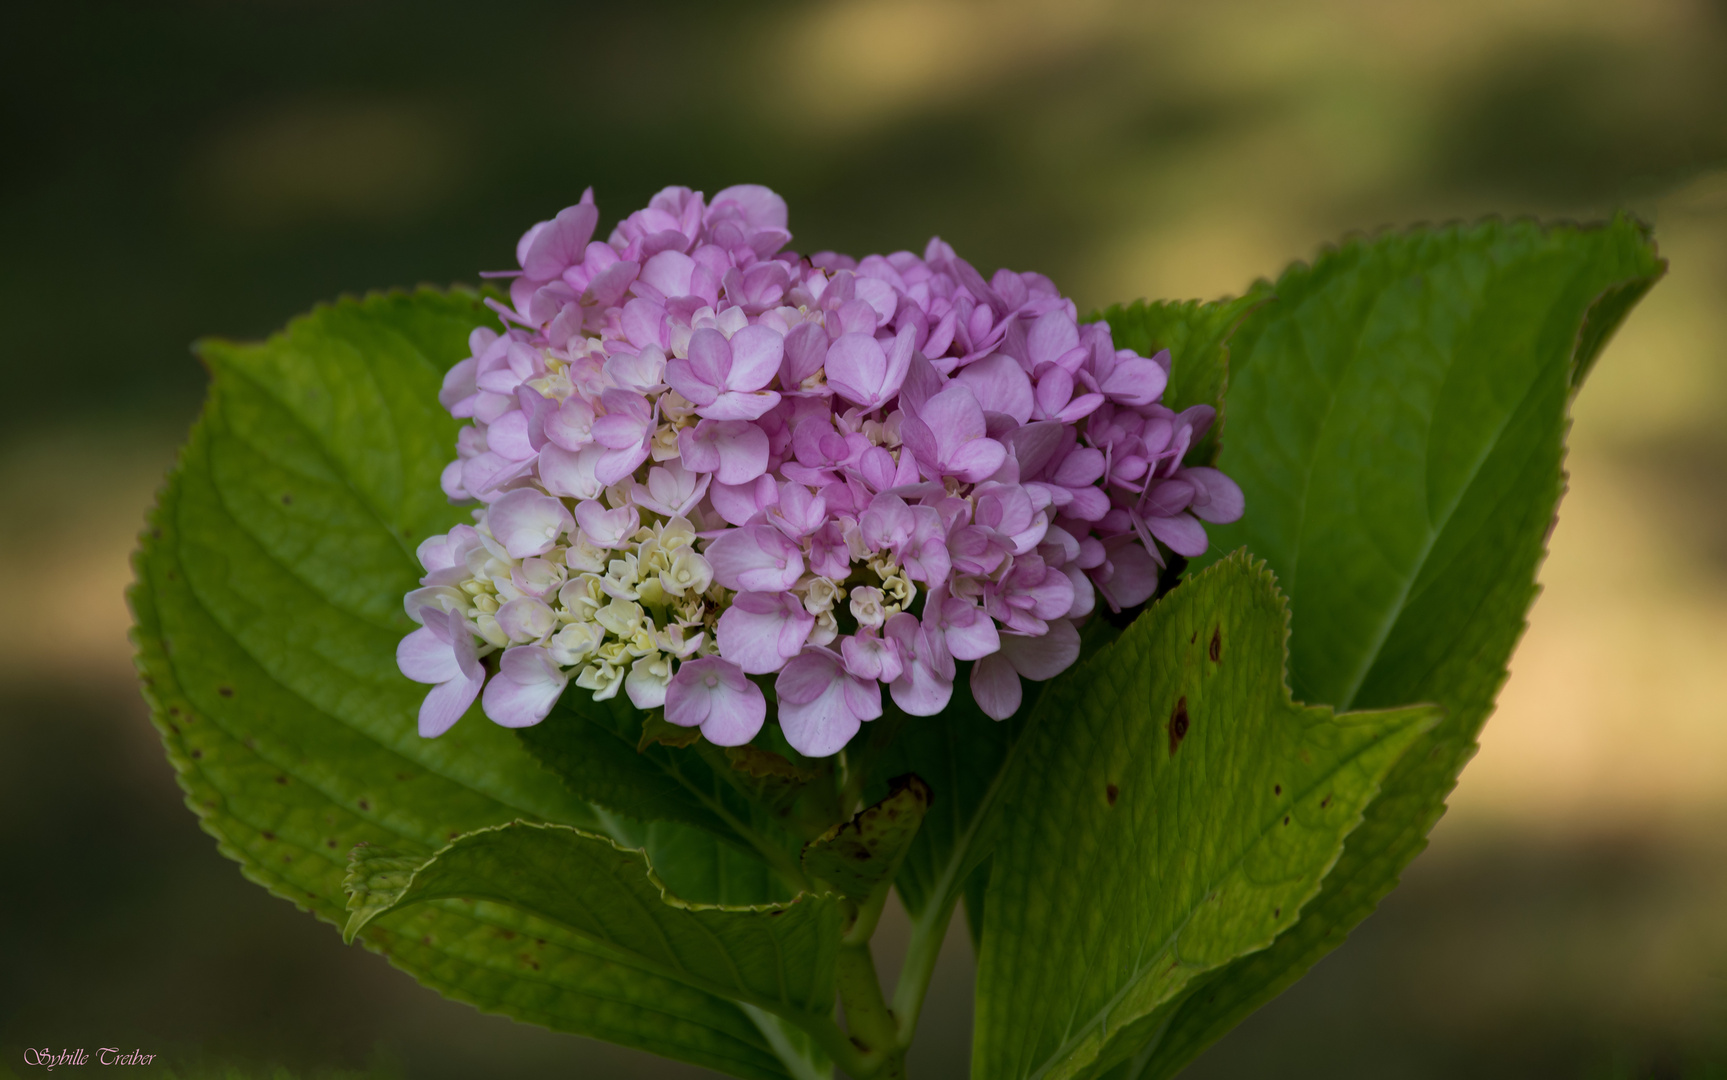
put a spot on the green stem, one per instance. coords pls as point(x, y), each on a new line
point(927, 934)
point(868, 1018)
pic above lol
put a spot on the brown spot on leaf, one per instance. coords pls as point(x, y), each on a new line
point(268, 835)
point(364, 805)
point(1286, 819)
point(1216, 644)
point(287, 500)
point(509, 935)
point(225, 691)
point(1178, 724)
point(1325, 802)
point(1110, 792)
point(329, 843)
point(197, 753)
point(281, 779)
point(1277, 789)
point(1277, 913)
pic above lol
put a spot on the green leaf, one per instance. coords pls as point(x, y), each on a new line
point(1173, 809)
point(608, 753)
point(1397, 422)
point(857, 855)
point(777, 957)
point(1196, 335)
point(268, 608)
point(698, 866)
point(597, 748)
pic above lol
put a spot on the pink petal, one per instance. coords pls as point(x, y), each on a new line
point(1053, 334)
point(1224, 500)
point(821, 704)
point(572, 474)
point(527, 685)
point(761, 208)
point(759, 632)
point(607, 528)
point(445, 704)
point(733, 405)
point(1000, 385)
point(756, 355)
point(669, 272)
point(527, 522)
point(856, 366)
point(1183, 533)
point(755, 558)
point(1133, 578)
point(426, 657)
point(1040, 658)
point(735, 451)
point(995, 687)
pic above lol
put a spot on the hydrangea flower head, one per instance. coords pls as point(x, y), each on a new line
point(699, 457)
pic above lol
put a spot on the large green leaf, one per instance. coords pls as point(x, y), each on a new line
point(1173, 809)
point(268, 607)
point(778, 957)
point(1397, 421)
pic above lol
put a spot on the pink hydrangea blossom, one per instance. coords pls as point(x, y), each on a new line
point(699, 458)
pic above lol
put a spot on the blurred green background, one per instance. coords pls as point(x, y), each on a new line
point(178, 170)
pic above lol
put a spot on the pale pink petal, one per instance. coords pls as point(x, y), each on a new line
point(761, 208)
point(1135, 381)
point(1000, 385)
point(571, 424)
point(735, 451)
point(1050, 336)
point(871, 657)
point(445, 704)
point(856, 366)
point(669, 272)
point(1183, 533)
point(607, 528)
point(995, 687)
point(425, 656)
point(715, 695)
point(572, 474)
point(1224, 501)
point(756, 355)
point(735, 405)
point(820, 707)
point(755, 558)
point(737, 503)
point(1132, 580)
point(759, 632)
point(1040, 658)
point(526, 687)
point(527, 522)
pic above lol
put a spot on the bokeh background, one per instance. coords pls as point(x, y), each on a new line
point(179, 170)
